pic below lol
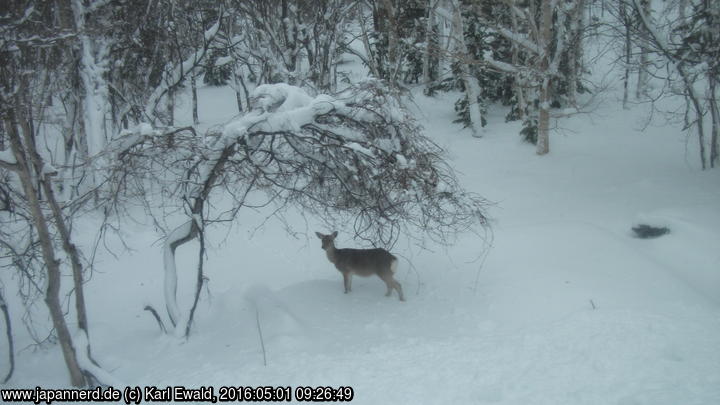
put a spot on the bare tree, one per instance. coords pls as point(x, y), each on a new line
point(295, 41)
point(357, 156)
point(176, 74)
point(31, 40)
point(27, 170)
point(686, 53)
point(543, 41)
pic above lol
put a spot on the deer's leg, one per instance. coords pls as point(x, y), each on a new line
point(391, 284)
point(389, 288)
point(398, 287)
point(388, 279)
point(347, 279)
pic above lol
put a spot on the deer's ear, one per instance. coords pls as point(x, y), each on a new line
point(319, 235)
point(334, 235)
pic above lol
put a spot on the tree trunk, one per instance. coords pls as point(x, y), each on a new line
point(52, 293)
point(64, 231)
point(429, 33)
point(237, 69)
point(73, 131)
point(391, 27)
point(324, 62)
point(543, 139)
point(238, 101)
point(182, 235)
point(575, 53)
point(92, 67)
point(472, 87)
point(8, 333)
point(193, 84)
point(371, 57)
point(715, 115)
point(171, 107)
point(699, 116)
point(238, 97)
point(628, 49)
point(642, 83)
point(518, 82)
point(199, 280)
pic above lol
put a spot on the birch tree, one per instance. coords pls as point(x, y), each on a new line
point(431, 54)
point(472, 87)
point(32, 175)
point(19, 48)
point(44, 46)
point(543, 41)
point(642, 9)
point(94, 59)
point(689, 48)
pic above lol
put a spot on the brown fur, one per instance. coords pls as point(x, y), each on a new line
point(363, 262)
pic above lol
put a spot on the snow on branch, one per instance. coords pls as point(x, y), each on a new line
point(357, 157)
point(7, 159)
point(357, 152)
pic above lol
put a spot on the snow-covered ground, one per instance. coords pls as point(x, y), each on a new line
point(564, 307)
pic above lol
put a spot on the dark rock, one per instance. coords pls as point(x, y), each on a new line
point(644, 231)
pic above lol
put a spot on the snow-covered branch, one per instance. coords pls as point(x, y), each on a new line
point(357, 156)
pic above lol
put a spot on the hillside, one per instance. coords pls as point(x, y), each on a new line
point(560, 304)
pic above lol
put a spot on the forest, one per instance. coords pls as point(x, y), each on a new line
point(165, 166)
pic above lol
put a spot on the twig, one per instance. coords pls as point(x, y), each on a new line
point(8, 331)
point(488, 246)
point(414, 269)
point(262, 341)
point(157, 318)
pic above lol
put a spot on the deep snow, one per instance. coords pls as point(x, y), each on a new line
point(565, 307)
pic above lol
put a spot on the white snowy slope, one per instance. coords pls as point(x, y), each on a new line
point(566, 307)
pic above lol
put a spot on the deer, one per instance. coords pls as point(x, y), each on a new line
point(363, 262)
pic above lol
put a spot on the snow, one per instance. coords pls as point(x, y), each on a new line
point(48, 169)
point(6, 156)
point(82, 344)
point(567, 307)
point(144, 129)
point(279, 97)
point(279, 107)
point(358, 148)
point(402, 161)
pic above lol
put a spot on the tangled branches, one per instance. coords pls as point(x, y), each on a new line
point(357, 157)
